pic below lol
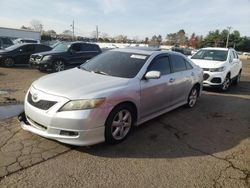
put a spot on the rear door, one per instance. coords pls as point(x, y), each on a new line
point(23, 53)
point(156, 94)
point(89, 51)
point(181, 78)
point(75, 54)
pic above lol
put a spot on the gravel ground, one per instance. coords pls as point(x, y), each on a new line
point(207, 146)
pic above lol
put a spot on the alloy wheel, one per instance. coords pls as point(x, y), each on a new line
point(121, 124)
point(58, 66)
point(193, 97)
point(226, 84)
point(9, 62)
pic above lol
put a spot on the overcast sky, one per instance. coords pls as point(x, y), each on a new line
point(134, 18)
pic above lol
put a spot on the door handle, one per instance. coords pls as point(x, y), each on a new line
point(171, 80)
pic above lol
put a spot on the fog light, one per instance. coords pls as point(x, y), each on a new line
point(68, 133)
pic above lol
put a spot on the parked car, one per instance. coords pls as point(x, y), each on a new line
point(24, 40)
point(5, 42)
point(65, 54)
point(20, 53)
point(221, 67)
point(103, 98)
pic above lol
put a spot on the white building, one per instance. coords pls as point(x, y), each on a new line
point(19, 33)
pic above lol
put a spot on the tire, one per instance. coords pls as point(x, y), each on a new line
point(119, 124)
point(192, 97)
point(9, 62)
point(237, 79)
point(58, 66)
point(226, 84)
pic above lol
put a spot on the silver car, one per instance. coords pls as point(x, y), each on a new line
point(103, 98)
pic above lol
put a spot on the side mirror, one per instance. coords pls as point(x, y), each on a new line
point(153, 75)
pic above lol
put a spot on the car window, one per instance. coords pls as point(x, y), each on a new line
point(231, 57)
point(76, 47)
point(188, 65)
point(7, 41)
point(161, 64)
point(178, 63)
point(235, 55)
point(88, 47)
point(30, 48)
point(213, 55)
point(42, 48)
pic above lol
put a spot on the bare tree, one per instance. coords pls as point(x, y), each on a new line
point(36, 25)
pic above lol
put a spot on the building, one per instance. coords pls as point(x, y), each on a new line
point(19, 33)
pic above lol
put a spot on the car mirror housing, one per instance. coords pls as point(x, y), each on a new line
point(153, 75)
point(235, 60)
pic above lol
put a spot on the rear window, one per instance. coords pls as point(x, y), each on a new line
point(118, 64)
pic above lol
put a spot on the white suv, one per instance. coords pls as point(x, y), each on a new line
point(221, 67)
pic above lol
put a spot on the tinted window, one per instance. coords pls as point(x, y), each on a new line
point(188, 65)
point(178, 63)
point(30, 48)
point(114, 63)
point(42, 48)
point(88, 47)
point(161, 64)
point(235, 55)
point(76, 47)
point(7, 41)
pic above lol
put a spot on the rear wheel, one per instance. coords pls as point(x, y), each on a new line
point(58, 66)
point(193, 96)
point(9, 62)
point(226, 84)
point(119, 124)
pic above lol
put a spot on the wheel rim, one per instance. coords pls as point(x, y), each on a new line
point(59, 66)
point(226, 83)
point(9, 62)
point(193, 97)
point(121, 124)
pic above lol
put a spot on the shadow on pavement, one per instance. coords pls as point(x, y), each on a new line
point(216, 124)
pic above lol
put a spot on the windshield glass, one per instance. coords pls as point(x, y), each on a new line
point(118, 64)
point(13, 47)
point(214, 55)
point(62, 47)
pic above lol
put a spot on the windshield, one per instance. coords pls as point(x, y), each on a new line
point(62, 47)
point(118, 64)
point(214, 55)
point(13, 47)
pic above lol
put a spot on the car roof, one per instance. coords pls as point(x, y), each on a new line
point(216, 48)
point(146, 51)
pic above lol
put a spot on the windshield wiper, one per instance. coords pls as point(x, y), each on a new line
point(100, 72)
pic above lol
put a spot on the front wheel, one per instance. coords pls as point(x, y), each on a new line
point(192, 97)
point(58, 66)
point(119, 124)
point(237, 79)
point(226, 84)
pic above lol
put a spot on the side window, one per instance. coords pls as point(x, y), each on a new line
point(161, 64)
point(235, 55)
point(30, 48)
point(188, 65)
point(88, 47)
point(76, 47)
point(231, 57)
point(178, 63)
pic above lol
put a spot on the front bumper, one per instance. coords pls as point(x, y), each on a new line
point(42, 65)
point(83, 127)
point(213, 79)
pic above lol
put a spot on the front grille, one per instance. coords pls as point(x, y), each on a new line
point(42, 104)
point(205, 76)
point(36, 57)
point(205, 69)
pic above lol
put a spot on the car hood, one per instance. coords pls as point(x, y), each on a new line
point(76, 84)
point(208, 63)
point(49, 53)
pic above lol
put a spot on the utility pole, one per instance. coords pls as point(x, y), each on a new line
point(97, 33)
point(229, 28)
point(73, 29)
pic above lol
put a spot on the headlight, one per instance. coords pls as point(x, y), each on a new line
point(47, 57)
point(82, 104)
point(221, 69)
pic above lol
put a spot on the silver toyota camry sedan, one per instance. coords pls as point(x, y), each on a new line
point(103, 98)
